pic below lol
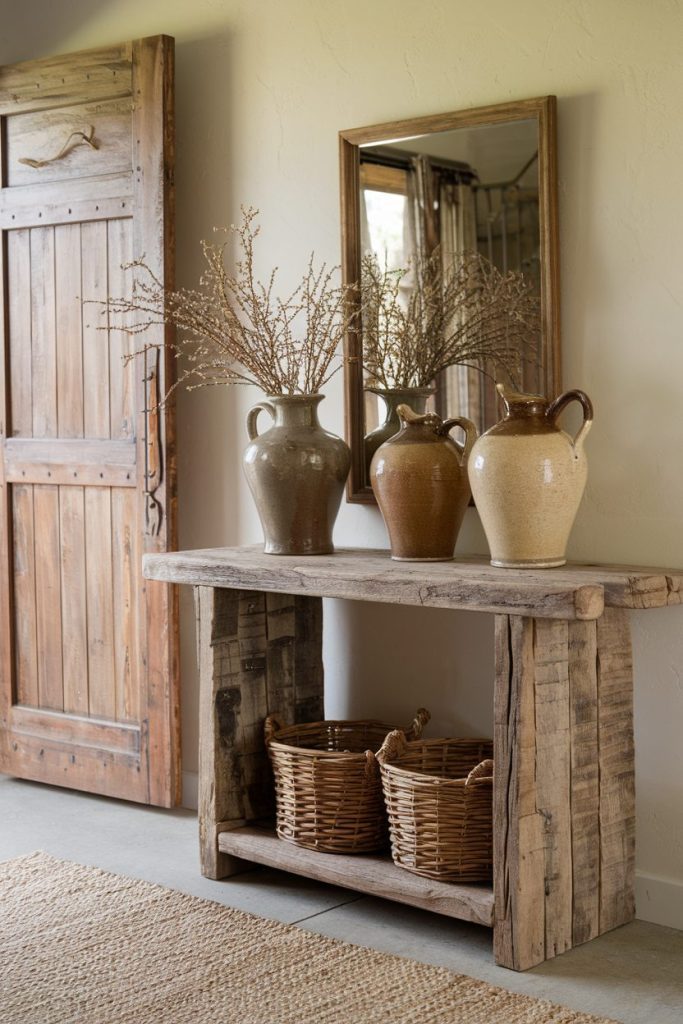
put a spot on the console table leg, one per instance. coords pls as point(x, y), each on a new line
point(564, 784)
point(258, 654)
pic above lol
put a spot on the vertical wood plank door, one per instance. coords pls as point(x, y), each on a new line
point(88, 649)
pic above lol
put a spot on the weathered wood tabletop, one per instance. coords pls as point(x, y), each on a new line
point(573, 591)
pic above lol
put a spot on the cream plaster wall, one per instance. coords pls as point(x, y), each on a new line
point(262, 89)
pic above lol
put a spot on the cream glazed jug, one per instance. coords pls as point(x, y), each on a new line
point(528, 477)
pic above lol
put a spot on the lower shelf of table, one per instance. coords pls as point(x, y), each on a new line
point(373, 874)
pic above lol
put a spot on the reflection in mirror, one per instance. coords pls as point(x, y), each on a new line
point(473, 192)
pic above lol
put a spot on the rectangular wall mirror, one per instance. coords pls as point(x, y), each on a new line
point(479, 181)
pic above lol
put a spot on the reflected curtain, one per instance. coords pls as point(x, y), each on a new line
point(441, 210)
point(461, 388)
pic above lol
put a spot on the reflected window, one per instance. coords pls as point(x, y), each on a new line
point(385, 213)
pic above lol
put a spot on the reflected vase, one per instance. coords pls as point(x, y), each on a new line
point(296, 473)
point(415, 397)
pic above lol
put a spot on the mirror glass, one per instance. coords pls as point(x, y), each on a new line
point(475, 188)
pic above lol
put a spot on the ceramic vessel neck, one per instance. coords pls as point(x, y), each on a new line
point(518, 406)
point(296, 410)
point(393, 397)
point(524, 414)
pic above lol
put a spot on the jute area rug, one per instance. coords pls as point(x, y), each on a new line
point(82, 946)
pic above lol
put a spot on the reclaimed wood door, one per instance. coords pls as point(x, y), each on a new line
point(88, 649)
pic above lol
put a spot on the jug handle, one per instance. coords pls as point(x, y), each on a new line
point(252, 417)
point(470, 435)
point(562, 401)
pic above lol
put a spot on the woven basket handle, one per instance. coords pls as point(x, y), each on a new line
point(482, 771)
point(422, 716)
point(271, 726)
point(393, 747)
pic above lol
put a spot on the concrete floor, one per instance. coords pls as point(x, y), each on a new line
point(634, 974)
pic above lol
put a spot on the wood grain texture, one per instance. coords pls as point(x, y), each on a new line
point(57, 81)
point(6, 606)
point(216, 614)
point(25, 667)
point(70, 461)
point(376, 876)
point(553, 778)
point(41, 135)
point(154, 235)
point(475, 117)
point(549, 229)
point(122, 376)
point(18, 287)
point(43, 333)
point(258, 654)
point(96, 378)
point(48, 598)
point(250, 770)
point(532, 809)
point(77, 202)
point(81, 729)
point(518, 852)
point(585, 793)
point(100, 603)
point(563, 787)
point(69, 330)
point(76, 750)
point(73, 599)
point(357, 488)
point(75, 764)
point(572, 592)
point(616, 769)
point(126, 601)
point(372, 576)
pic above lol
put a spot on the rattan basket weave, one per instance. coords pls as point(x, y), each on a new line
point(327, 786)
point(439, 798)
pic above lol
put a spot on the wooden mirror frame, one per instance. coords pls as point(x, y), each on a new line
point(543, 110)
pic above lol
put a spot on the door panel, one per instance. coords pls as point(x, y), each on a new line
point(69, 332)
point(89, 688)
point(73, 597)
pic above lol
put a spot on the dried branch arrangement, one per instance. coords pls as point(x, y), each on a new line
point(418, 321)
point(234, 329)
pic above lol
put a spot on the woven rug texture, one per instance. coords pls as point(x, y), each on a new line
point(82, 946)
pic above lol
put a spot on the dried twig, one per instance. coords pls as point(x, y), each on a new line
point(234, 329)
point(468, 314)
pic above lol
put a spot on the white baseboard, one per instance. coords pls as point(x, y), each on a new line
point(659, 900)
point(190, 790)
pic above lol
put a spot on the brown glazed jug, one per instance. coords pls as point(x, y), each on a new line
point(528, 477)
point(419, 477)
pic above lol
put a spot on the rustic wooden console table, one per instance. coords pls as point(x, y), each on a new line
point(564, 835)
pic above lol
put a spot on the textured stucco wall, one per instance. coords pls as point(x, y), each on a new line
point(262, 89)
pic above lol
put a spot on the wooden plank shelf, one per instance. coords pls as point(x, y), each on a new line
point(571, 592)
point(373, 874)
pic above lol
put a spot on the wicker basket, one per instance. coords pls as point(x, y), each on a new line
point(439, 798)
point(327, 785)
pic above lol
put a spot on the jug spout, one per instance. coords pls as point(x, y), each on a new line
point(518, 404)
